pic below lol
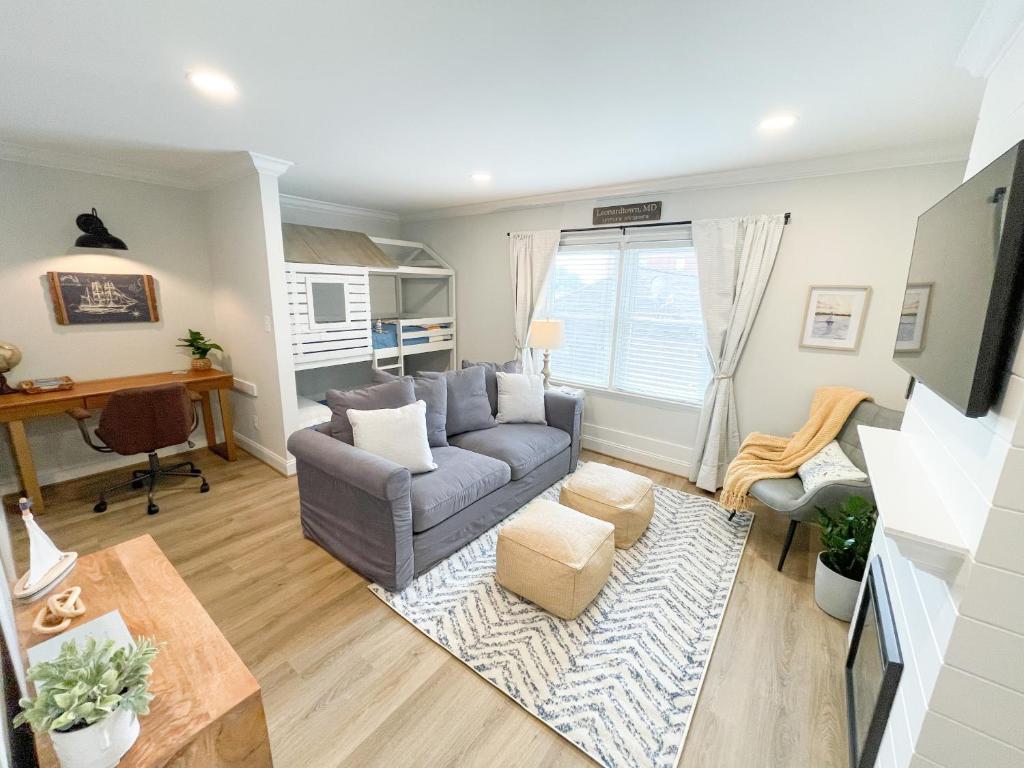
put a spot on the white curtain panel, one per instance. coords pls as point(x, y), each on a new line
point(734, 261)
point(531, 255)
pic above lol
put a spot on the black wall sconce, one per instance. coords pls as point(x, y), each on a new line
point(96, 235)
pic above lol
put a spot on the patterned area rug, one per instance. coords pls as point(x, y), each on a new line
point(621, 681)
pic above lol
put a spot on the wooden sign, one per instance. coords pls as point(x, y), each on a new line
point(625, 214)
point(83, 297)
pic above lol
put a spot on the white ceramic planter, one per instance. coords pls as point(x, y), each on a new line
point(836, 595)
point(99, 746)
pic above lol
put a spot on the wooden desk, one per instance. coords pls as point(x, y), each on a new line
point(18, 408)
point(208, 709)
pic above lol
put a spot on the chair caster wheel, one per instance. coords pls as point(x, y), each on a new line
point(136, 484)
point(100, 507)
point(152, 509)
point(204, 487)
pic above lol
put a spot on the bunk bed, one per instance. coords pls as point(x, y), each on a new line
point(353, 299)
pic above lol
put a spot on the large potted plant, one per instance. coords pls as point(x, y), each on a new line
point(88, 700)
point(200, 348)
point(846, 537)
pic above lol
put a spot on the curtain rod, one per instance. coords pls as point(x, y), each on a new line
point(624, 227)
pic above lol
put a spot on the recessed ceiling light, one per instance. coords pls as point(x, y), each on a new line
point(778, 122)
point(213, 83)
point(481, 177)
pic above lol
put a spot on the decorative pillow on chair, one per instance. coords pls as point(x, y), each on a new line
point(520, 398)
point(391, 395)
point(829, 465)
point(468, 407)
point(431, 390)
point(490, 378)
point(398, 434)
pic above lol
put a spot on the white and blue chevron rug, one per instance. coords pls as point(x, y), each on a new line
point(621, 681)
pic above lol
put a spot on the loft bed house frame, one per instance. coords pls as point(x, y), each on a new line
point(354, 298)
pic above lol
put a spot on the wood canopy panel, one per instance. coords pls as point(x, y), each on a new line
point(317, 245)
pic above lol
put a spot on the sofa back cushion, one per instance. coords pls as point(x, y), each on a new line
point(491, 377)
point(468, 406)
point(394, 394)
point(433, 391)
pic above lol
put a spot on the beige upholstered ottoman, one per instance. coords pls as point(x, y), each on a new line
point(555, 557)
point(624, 499)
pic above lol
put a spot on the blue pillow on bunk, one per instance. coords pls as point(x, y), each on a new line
point(491, 377)
point(433, 392)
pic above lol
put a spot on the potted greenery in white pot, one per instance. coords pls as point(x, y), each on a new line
point(89, 701)
point(846, 537)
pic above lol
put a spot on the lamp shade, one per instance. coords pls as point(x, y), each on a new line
point(96, 235)
point(546, 334)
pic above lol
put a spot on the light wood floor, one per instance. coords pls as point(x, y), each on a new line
point(347, 682)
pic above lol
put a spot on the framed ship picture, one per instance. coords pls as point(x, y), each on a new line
point(81, 298)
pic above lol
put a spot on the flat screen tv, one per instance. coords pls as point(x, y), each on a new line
point(962, 306)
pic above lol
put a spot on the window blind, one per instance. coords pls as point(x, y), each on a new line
point(632, 315)
point(582, 293)
point(659, 345)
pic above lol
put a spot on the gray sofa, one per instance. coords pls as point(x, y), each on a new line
point(391, 526)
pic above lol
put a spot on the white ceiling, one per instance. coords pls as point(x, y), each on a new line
point(394, 104)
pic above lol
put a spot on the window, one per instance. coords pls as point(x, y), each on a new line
point(631, 309)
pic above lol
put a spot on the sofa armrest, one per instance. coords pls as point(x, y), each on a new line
point(356, 506)
point(565, 412)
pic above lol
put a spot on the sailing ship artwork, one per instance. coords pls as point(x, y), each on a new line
point(88, 297)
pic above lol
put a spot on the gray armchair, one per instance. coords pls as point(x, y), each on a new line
point(786, 496)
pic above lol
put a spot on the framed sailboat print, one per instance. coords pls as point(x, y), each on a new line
point(81, 298)
point(834, 317)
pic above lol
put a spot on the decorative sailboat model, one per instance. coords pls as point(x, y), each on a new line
point(47, 564)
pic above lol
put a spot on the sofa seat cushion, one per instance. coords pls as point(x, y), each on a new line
point(461, 478)
point(523, 447)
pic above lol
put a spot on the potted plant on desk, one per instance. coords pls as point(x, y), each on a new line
point(89, 701)
point(846, 536)
point(200, 347)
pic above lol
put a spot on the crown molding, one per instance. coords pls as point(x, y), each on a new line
point(69, 161)
point(999, 22)
point(267, 164)
point(296, 203)
point(239, 165)
point(932, 154)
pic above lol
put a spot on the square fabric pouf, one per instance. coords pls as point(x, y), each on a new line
point(555, 557)
point(608, 493)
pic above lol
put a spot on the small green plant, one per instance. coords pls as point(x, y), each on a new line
point(846, 536)
point(199, 344)
point(82, 687)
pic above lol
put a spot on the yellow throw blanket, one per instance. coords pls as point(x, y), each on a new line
point(763, 457)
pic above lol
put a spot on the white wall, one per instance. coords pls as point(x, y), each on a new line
point(165, 230)
point(250, 306)
point(852, 228)
point(961, 702)
point(314, 213)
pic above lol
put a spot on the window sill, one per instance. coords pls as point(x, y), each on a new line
point(618, 394)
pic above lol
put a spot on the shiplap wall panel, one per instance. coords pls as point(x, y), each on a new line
point(988, 651)
point(953, 744)
point(350, 341)
point(995, 596)
point(993, 709)
point(1001, 544)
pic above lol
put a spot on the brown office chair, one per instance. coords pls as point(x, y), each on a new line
point(141, 421)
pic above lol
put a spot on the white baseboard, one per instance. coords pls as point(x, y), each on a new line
point(62, 474)
point(639, 449)
point(285, 466)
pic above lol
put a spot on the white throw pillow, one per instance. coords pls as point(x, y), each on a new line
point(520, 398)
point(398, 434)
point(829, 465)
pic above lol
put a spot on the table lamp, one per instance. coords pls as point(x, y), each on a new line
point(546, 335)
